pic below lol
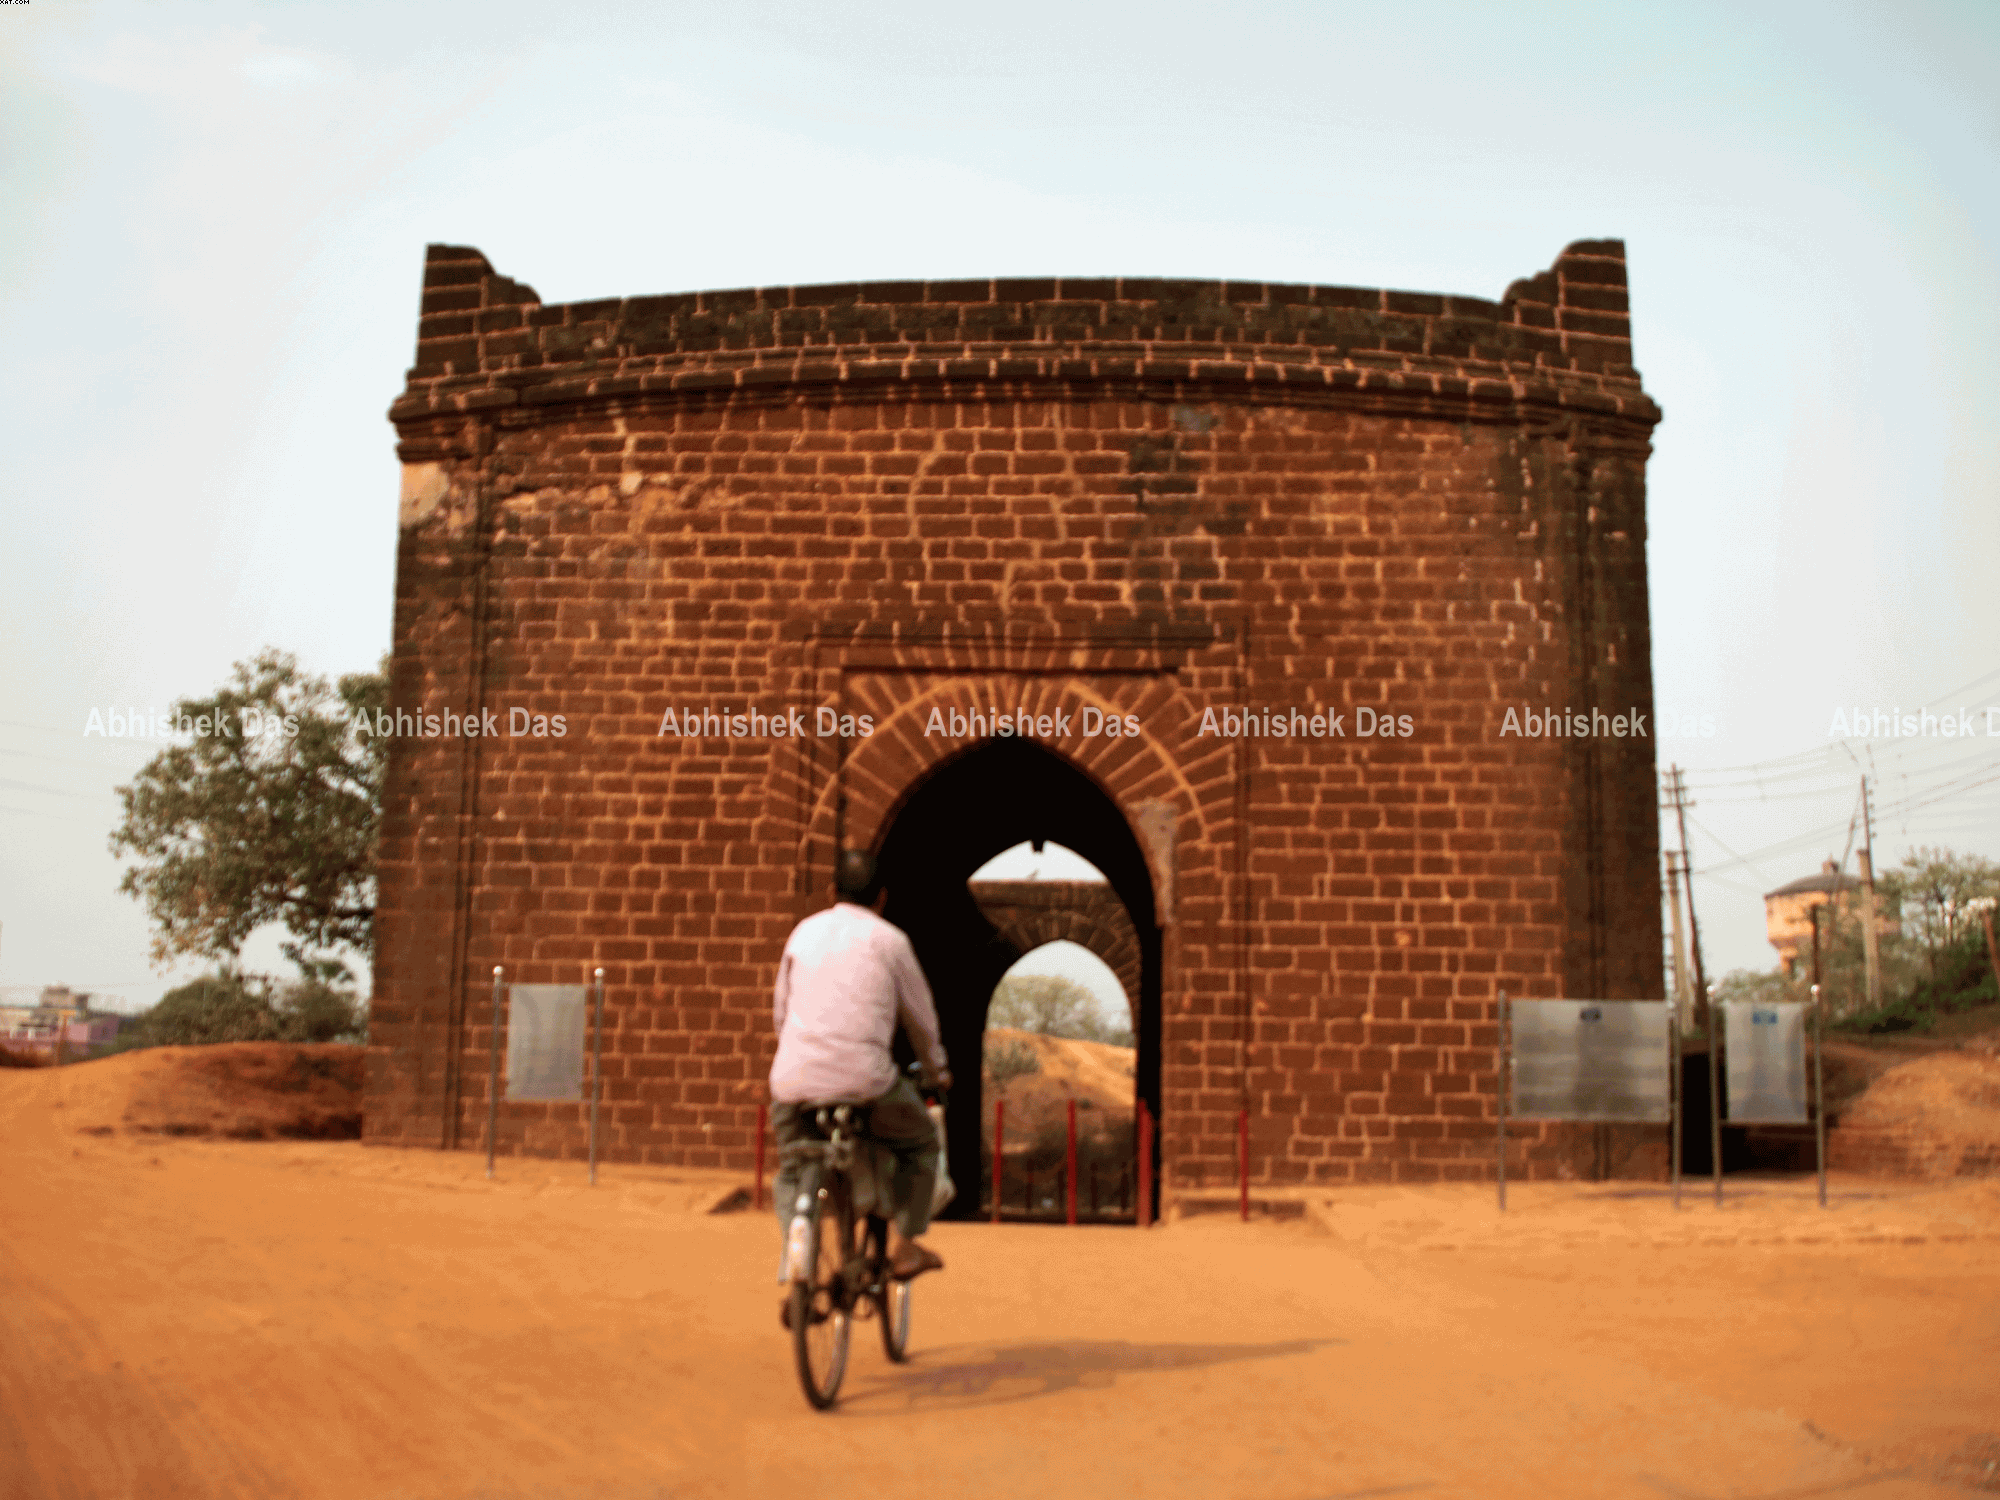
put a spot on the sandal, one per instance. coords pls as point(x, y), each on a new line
point(909, 1270)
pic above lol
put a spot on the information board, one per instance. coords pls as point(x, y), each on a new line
point(1591, 1060)
point(545, 1026)
point(1765, 1049)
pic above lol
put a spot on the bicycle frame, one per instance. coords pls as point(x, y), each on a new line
point(845, 1180)
point(863, 1164)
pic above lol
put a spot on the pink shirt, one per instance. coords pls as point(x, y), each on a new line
point(846, 978)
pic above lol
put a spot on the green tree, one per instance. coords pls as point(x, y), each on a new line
point(271, 813)
point(1932, 890)
point(1933, 955)
point(1052, 1006)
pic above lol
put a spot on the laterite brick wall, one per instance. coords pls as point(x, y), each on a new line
point(864, 508)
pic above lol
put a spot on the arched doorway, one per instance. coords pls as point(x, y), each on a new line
point(991, 797)
point(1059, 1043)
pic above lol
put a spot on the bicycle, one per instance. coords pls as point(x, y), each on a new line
point(836, 1259)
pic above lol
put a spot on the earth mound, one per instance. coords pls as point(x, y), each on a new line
point(1932, 1116)
point(246, 1091)
point(1095, 1074)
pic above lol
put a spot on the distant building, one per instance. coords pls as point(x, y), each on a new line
point(1788, 920)
point(62, 1016)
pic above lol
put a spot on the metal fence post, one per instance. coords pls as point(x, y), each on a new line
point(999, 1152)
point(1069, 1167)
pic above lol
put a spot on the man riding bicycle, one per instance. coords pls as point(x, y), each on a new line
point(846, 978)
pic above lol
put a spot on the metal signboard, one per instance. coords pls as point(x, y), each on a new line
point(1766, 1057)
point(545, 1025)
point(1591, 1060)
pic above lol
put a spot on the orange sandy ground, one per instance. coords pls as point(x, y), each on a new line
point(189, 1317)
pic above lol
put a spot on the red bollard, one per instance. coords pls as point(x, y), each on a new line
point(1243, 1162)
point(1069, 1164)
point(1145, 1205)
point(757, 1192)
point(999, 1151)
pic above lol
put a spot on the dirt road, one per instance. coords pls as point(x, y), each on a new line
point(199, 1318)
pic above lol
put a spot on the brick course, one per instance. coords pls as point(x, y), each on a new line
point(1144, 499)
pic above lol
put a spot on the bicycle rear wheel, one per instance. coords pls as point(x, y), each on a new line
point(894, 1307)
point(821, 1306)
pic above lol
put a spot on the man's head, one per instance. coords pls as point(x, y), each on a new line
point(856, 878)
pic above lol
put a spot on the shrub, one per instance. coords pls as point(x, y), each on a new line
point(1964, 980)
point(312, 1010)
point(1008, 1060)
point(219, 1007)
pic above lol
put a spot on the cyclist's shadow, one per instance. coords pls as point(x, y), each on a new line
point(990, 1375)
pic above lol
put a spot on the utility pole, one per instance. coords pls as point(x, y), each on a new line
point(1704, 997)
point(1681, 979)
point(1870, 948)
point(1677, 793)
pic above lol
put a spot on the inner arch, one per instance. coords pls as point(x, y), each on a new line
point(991, 797)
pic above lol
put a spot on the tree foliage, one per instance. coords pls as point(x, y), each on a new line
point(1052, 1006)
point(230, 1006)
point(1933, 892)
point(1755, 986)
point(269, 814)
point(1933, 956)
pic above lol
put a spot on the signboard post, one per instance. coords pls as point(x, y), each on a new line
point(1500, 1108)
point(597, 1084)
point(1596, 1060)
point(1767, 1068)
point(1714, 1102)
point(544, 1025)
point(1767, 1062)
point(1819, 1087)
point(493, 1077)
point(1674, 1088)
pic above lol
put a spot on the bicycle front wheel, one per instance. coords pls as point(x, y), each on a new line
point(821, 1306)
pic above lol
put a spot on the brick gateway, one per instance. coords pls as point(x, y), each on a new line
point(730, 578)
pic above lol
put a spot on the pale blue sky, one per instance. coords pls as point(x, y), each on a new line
point(212, 222)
